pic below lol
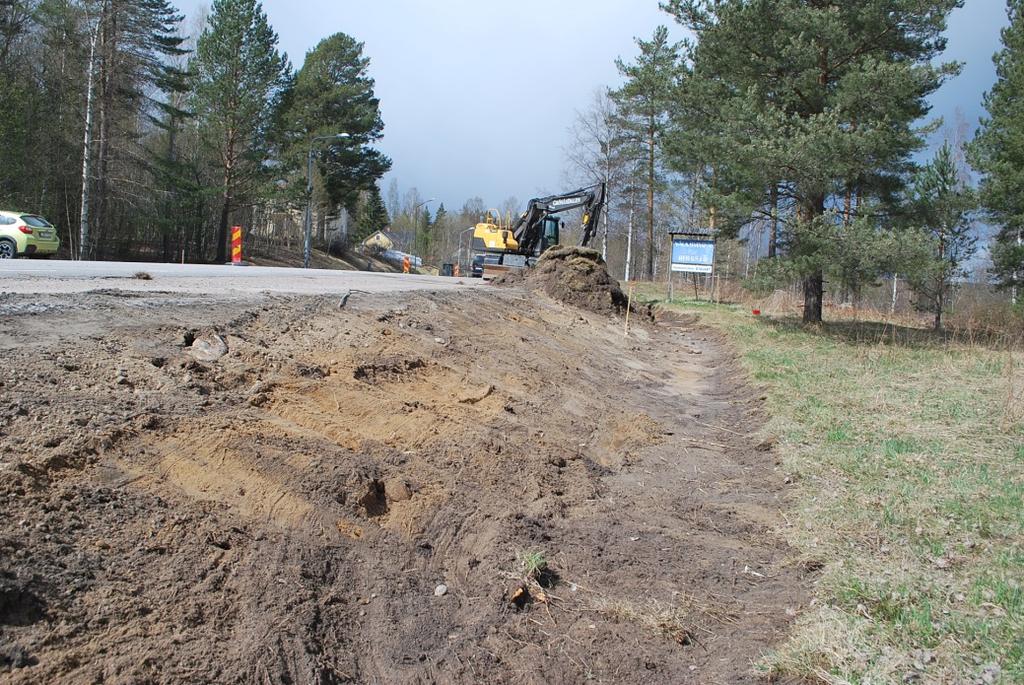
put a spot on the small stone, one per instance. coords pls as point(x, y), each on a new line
point(209, 348)
point(990, 673)
point(441, 590)
point(397, 490)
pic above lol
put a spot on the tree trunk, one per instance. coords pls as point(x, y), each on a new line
point(629, 234)
point(941, 284)
point(650, 201)
point(814, 292)
point(1016, 277)
point(773, 231)
point(607, 202)
point(83, 226)
point(814, 284)
point(222, 230)
point(108, 22)
point(892, 305)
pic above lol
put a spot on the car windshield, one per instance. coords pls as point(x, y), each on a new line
point(35, 221)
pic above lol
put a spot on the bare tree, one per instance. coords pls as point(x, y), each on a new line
point(597, 153)
point(510, 207)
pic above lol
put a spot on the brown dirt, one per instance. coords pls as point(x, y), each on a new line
point(281, 502)
point(576, 276)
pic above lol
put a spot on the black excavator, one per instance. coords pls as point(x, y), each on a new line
point(500, 245)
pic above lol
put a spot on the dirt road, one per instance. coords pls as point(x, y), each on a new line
point(287, 490)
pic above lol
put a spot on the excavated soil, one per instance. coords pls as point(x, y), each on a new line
point(290, 491)
point(575, 276)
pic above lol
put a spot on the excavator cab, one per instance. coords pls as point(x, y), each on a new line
point(552, 231)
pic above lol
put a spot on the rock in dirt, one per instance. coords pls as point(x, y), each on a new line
point(209, 348)
point(573, 275)
point(15, 656)
point(397, 490)
point(441, 590)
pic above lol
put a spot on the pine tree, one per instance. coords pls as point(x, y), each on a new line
point(424, 235)
point(643, 104)
point(371, 215)
point(333, 93)
point(943, 205)
point(998, 153)
point(239, 74)
point(817, 99)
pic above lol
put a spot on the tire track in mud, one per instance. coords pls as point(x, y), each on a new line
point(286, 511)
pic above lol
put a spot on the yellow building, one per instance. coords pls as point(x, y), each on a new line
point(382, 240)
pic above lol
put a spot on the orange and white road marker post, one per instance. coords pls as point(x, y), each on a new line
point(236, 245)
point(406, 264)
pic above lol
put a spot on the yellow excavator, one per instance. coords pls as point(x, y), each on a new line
point(500, 245)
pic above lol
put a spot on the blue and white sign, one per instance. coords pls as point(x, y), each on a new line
point(693, 256)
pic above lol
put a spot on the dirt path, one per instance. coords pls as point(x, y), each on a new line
point(287, 512)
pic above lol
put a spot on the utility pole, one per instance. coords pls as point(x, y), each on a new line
point(307, 246)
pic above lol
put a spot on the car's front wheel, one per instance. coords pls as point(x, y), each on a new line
point(8, 250)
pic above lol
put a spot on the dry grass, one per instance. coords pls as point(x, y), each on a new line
point(687, 621)
point(653, 618)
point(907, 451)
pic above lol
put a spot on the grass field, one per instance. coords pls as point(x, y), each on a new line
point(907, 458)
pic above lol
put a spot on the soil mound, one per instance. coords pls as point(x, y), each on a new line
point(573, 275)
point(340, 498)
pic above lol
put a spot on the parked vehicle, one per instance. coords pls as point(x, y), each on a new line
point(26, 235)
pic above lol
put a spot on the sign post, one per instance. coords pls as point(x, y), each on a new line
point(692, 253)
point(236, 245)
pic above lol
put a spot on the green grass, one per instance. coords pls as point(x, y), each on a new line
point(533, 563)
point(908, 464)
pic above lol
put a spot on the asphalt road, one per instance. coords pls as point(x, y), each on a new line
point(53, 277)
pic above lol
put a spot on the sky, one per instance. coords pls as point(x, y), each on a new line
point(477, 96)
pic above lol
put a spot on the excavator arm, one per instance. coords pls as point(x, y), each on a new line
point(529, 229)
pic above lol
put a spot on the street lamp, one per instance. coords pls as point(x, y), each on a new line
point(416, 222)
point(460, 245)
point(307, 248)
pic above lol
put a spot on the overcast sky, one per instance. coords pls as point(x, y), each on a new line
point(477, 96)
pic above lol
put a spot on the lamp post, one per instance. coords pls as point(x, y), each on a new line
point(416, 223)
point(463, 233)
point(307, 247)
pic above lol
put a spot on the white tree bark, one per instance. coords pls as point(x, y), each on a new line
point(629, 236)
point(892, 305)
point(83, 226)
point(607, 202)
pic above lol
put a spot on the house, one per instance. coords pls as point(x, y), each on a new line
point(382, 241)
